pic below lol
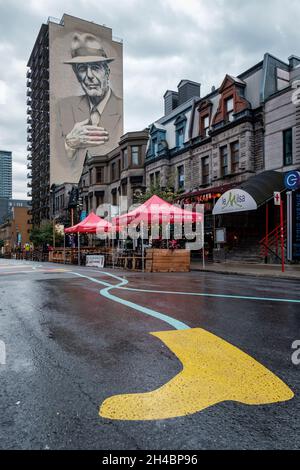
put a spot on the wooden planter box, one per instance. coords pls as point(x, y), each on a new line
point(168, 261)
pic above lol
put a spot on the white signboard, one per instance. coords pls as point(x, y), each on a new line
point(96, 261)
point(221, 235)
point(277, 199)
point(235, 200)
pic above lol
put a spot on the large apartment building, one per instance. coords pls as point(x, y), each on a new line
point(74, 80)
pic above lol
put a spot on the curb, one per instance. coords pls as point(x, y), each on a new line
point(237, 273)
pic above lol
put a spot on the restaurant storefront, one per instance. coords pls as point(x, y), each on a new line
point(248, 213)
point(209, 198)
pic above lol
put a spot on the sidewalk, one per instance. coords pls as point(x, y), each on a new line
point(244, 269)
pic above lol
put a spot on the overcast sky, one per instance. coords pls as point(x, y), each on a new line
point(164, 41)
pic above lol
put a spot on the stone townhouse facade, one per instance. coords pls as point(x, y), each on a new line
point(205, 146)
point(282, 123)
point(105, 179)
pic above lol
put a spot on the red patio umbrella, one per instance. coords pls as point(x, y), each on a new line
point(156, 210)
point(159, 211)
point(91, 224)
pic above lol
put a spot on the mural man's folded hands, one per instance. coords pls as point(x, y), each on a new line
point(85, 135)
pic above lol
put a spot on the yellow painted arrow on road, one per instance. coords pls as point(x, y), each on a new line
point(213, 371)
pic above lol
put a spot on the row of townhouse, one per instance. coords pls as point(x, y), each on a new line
point(206, 146)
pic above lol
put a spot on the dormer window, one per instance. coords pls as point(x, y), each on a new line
point(205, 126)
point(229, 107)
point(180, 124)
point(180, 138)
point(154, 146)
point(157, 136)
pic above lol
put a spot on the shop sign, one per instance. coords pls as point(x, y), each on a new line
point(235, 200)
point(292, 180)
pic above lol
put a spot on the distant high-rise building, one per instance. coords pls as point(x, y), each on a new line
point(5, 183)
point(74, 84)
point(5, 174)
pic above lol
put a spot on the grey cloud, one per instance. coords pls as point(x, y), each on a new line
point(164, 41)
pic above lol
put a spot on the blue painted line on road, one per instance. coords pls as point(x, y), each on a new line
point(177, 325)
point(219, 296)
point(198, 294)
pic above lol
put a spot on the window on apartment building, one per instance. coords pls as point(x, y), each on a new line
point(205, 170)
point(229, 109)
point(235, 157)
point(113, 171)
point(205, 126)
point(99, 174)
point(288, 147)
point(99, 199)
point(152, 180)
point(283, 79)
point(124, 189)
point(135, 154)
point(157, 179)
point(180, 138)
point(125, 158)
point(180, 176)
point(114, 198)
point(224, 160)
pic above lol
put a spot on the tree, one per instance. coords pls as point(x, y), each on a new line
point(167, 194)
point(42, 235)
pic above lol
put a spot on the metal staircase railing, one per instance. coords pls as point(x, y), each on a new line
point(270, 245)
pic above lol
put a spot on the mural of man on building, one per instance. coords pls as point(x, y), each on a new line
point(92, 121)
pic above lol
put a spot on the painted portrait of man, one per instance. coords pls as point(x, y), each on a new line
point(93, 121)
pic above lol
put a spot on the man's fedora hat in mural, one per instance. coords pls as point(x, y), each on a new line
point(86, 48)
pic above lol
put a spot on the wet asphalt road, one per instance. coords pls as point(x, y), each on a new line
point(68, 348)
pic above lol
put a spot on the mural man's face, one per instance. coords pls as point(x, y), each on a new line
point(93, 78)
